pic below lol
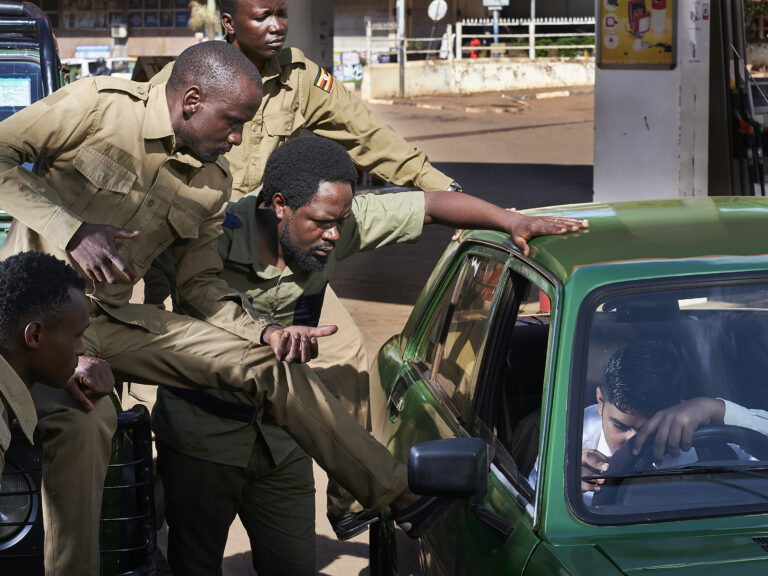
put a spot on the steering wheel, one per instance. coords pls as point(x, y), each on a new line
point(710, 442)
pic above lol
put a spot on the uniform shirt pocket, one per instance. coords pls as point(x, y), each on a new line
point(184, 221)
point(283, 123)
point(101, 173)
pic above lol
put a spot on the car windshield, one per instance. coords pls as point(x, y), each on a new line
point(692, 363)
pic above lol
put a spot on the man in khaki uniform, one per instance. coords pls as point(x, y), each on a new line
point(43, 314)
point(124, 170)
point(299, 95)
point(280, 249)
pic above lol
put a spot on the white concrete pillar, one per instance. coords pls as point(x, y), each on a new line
point(310, 29)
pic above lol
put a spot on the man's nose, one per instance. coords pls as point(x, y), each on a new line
point(235, 138)
point(332, 234)
point(276, 24)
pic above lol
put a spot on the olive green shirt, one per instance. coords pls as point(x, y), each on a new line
point(103, 151)
point(15, 403)
point(297, 97)
point(285, 296)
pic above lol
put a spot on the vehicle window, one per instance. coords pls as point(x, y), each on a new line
point(692, 358)
point(20, 85)
point(510, 413)
point(457, 332)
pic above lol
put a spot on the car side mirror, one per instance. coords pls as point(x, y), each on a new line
point(456, 468)
point(452, 468)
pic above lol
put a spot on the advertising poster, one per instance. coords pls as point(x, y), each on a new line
point(637, 34)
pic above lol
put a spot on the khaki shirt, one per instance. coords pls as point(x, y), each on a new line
point(288, 297)
point(294, 101)
point(103, 150)
point(15, 402)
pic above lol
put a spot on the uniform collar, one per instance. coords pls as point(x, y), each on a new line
point(276, 68)
point(18, 398)
point(157, 122)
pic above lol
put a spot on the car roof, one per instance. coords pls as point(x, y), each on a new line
point(707, 229)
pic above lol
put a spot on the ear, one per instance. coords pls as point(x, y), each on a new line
point(227, 24)
point(33, 335)
point(192, 99)
point(600, 399)
point(280, 206)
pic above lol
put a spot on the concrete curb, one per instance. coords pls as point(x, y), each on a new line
point(518, 101)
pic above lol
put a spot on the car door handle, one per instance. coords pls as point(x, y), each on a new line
point(396, 399)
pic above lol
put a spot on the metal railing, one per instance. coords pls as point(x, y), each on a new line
point(521, 33)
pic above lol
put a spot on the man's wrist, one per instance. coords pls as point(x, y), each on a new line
point(267, 330)
point(454, 187)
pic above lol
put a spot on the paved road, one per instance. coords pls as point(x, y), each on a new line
point(536, 153)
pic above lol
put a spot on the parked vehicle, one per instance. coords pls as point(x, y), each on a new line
point(30, 70)
point(511, 349)
point(76, 68)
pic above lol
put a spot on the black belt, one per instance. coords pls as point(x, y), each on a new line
point(215, 405)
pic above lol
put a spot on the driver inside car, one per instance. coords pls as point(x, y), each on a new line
point(641, 395)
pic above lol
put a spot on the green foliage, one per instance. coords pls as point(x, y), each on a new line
point(564, 41)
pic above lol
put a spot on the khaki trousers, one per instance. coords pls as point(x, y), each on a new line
point(186, 352)
point(76, 448)
point(342, 365)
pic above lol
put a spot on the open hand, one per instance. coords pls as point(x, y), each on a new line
point(527, 227)
point(295, 343)
point(93, 248)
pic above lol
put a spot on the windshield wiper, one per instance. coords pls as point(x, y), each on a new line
point(760, 471)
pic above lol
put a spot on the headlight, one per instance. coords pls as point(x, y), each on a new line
point(16, 503)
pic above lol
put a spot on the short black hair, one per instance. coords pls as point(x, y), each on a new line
point(228, 6)
point(643, 378)
point(33, 283)
point(297, 168)
point(212, 65)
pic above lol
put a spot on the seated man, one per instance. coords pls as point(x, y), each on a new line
point(641, 395)
point(280, 249)
point(43, 314)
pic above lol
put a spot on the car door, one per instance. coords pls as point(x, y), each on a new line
point(462, 339)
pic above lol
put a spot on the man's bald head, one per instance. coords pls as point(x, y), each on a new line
point(213, 67)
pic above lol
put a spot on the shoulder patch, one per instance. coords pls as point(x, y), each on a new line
point(139, 90)
point(324, 80)
point(231, 221)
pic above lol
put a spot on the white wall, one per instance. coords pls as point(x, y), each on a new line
point(424, 78)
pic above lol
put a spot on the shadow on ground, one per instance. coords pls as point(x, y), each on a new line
point(396, 274)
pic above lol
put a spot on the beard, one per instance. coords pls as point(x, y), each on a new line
point(303, 260)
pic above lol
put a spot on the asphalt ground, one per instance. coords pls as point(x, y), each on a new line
point(516, 149)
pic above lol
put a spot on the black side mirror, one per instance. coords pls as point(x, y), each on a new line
point(452, 468)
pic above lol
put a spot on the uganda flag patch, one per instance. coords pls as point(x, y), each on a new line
point(324, 80)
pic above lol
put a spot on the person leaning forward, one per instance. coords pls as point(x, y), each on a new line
point(124, 170)
point(280, 249)
point(299, 96)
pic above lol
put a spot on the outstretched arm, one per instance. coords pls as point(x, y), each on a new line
point(464, 211)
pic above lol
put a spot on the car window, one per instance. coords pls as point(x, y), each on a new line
point(20, 85)
point(510, 413)
point(675, 355)
point(457, 331)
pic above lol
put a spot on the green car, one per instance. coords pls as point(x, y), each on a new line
point(519, 353)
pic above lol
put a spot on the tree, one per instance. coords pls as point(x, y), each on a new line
point(203, 18)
